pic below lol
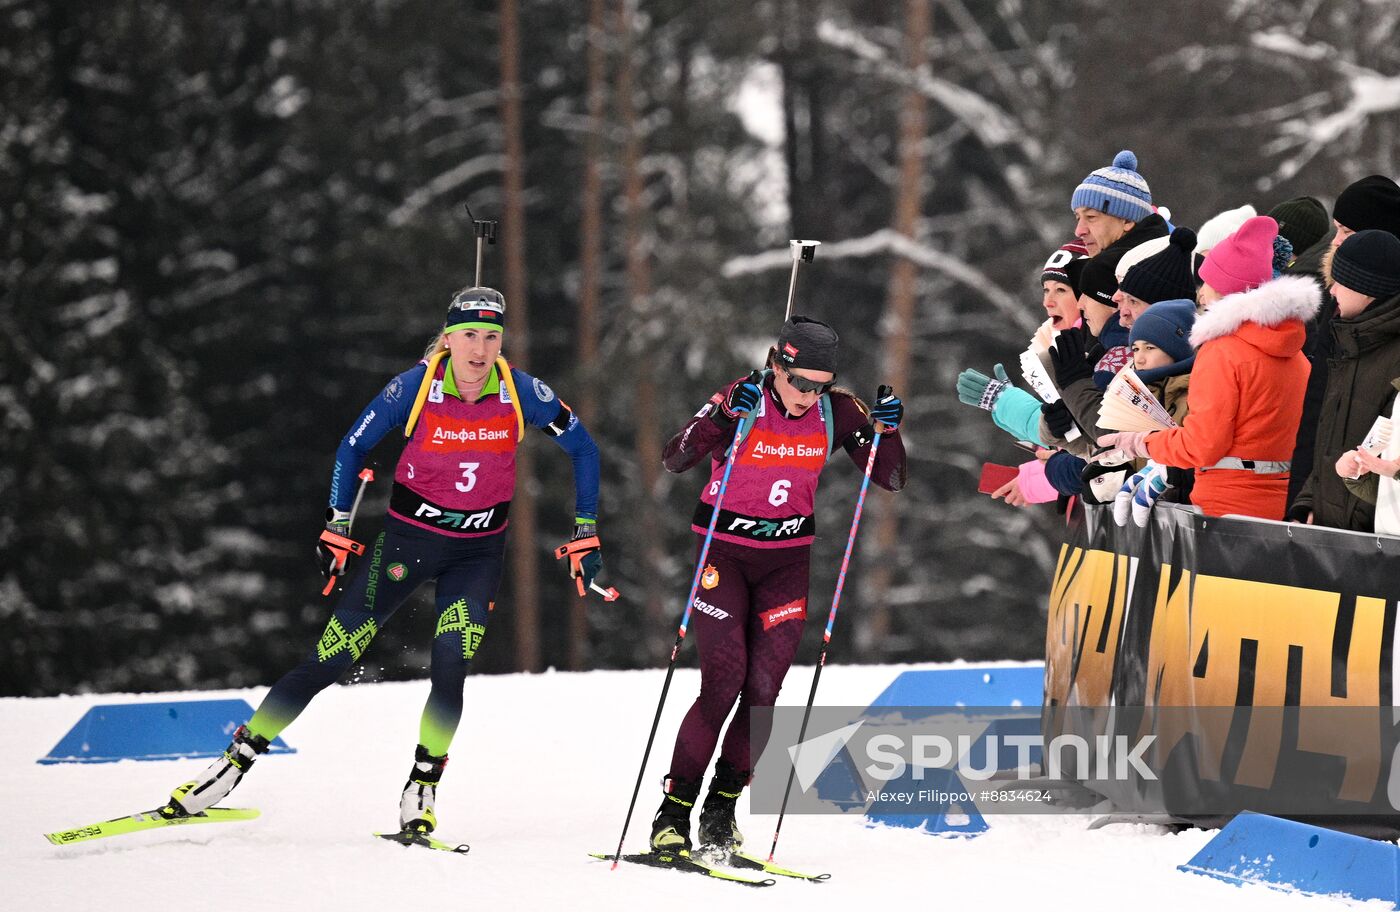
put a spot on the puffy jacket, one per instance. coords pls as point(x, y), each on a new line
point(1364, 359)
point(1313, 263)
point(1245, 398)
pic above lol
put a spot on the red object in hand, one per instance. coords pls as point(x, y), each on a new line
point(342, 547)
point(575, 552)
point(994, 476)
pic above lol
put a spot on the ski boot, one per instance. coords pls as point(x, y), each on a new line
point(214, 784)
point(670, 829)
point(719, 835)
point(420, 793)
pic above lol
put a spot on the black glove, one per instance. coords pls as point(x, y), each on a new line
point(1057, 418)
point(889, 408)
point(743, 396)
point(1070, 358)
point(334, 547)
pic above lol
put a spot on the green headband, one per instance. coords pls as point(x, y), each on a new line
point(476, 308)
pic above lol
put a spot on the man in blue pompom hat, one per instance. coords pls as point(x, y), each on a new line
point(1109, 202)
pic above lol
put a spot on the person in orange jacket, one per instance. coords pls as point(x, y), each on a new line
point(1247, 385)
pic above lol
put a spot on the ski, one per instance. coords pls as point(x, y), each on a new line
point(677, 862)
point(147, 820)
point(750, 863)
point(423, 840)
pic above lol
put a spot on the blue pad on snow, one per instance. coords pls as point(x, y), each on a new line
point(938, 803)
point(155, 731)
point(974, 685)
point(1257, 848)
point(1008, 754)
point(840, 784)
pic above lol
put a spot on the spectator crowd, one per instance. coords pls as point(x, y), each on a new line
point(1271, 341)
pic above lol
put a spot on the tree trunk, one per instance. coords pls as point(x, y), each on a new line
point(590, 273)
point(524, 560)
point(899, 316)
point(647, 443)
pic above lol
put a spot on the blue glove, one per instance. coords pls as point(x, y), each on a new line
point(743, 396)
point(1063, 471)
point(1139, 494)
point(889, 408)
point(976, 388)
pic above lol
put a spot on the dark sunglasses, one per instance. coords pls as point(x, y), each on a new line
point(803, 385)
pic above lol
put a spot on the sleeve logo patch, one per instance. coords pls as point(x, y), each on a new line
point(543, 391)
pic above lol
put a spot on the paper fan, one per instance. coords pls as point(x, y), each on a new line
point(1128, 405)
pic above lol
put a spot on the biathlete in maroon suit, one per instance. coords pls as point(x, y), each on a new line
point(751, 606)
point(464, 411)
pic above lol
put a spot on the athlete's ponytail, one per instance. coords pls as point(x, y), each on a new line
point(438, 343)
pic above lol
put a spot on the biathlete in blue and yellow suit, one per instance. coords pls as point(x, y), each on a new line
point(464, 411)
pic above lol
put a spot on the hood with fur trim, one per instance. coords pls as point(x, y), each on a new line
point(1269, 317)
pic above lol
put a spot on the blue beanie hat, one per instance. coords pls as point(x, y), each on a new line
point(1118, 190)
point(1167, 325)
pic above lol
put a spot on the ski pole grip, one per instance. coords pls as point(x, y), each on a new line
point(882, 392)
point(343, 545)
point(590, 543)
point(336, 540)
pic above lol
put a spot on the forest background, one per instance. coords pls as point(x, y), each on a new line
point(224, 226)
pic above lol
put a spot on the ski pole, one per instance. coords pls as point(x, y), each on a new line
point(680, 636)
point(609, 594)
point(344, 541)
point(830, 622)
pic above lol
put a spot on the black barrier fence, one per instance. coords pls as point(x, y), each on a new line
point(1260, 655)
point(1194, 763)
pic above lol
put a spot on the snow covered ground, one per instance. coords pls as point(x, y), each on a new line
point(541, 772)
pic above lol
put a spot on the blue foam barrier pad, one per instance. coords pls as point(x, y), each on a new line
point(973, 685)
point(1008, 755)
point(1259, 849)
point(937, 803)
point(840, 784)
point(154, 731)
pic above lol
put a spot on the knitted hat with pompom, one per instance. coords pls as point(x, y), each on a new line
point(1117, 190)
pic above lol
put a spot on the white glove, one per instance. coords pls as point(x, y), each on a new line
point(1132, 444)
point(1139, 494)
